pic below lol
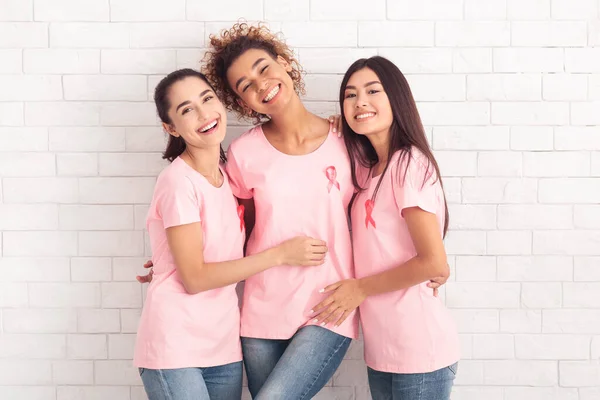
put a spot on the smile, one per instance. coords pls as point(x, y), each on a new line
point(272, 93)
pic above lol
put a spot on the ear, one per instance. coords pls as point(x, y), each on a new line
point(283, 62)
point(170, 129)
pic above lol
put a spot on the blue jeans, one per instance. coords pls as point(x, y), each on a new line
point(435, 385)
point(295, 368)
point(212, 383)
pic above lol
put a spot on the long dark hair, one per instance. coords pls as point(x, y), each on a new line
point(176, 145)
point(406, 131)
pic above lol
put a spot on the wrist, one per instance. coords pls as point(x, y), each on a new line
point(363, 286)
point(276, 255)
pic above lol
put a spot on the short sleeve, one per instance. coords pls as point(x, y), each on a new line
point(236, 179)
point(178, 203)
point(415, 185)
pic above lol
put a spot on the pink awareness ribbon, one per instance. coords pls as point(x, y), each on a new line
point(369, 205)
point(331, 175)
point(240, 212)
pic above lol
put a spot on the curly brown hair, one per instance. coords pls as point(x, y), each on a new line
point(228, 45)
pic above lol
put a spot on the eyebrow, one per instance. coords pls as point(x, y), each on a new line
point(253, 66)
point(368, 84)
point(185, 103)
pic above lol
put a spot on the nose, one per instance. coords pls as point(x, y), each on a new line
point(262, 85)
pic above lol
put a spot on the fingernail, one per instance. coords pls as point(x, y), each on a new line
point(334, 130)
point(322, 323)
point(312, 311)
point(321, 291)
point(315, 320)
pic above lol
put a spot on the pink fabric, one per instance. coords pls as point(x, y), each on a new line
point(293, 195)
point(409, 330)
point(179, 330)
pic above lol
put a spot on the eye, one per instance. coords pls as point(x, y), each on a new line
point(349, 95)
point(373, 91)
point(246, 87)
point(264, 68)
point(186, 110)
point(207, 98)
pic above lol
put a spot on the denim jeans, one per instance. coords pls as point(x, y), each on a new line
point(295, 368)
point(223, 382)
point(435, 385)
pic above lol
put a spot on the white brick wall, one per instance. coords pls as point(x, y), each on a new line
point(509, 92)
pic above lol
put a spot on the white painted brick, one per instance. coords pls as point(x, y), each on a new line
point(292, 10)
point(530, 113)
point(499, 190)
point(452, 189)
point(556, 164)
point(71, 10)
point(582, 60)
point(23, 35)
point(477, 392)
point(226, 10)
point(589, 393)
point(89, 35)
point(13, 295)
point(531, 138)
point(116, 190)
point(594, 82)
point(311, 34)
point(485, 9)
point(566, 242)
point(87, 269)
point(344, 10)
point(528, 9)
point(116, 372)
point(61, 61)
point(73, 372)
point(355, 351)
point(471, 373)
point(92, 392)
point(62, 295)
point(98, 321)
point(466, 346)
point(541, 295)
point(128, 164)
point(322, 87)
point(595, 347)
point(39, 321)
point(138, 61)
point(120, 347)
point(39, 243)
point(149, 10)
point(351, 373)
point(188, 58)
point(23, 139)
point(11, 61)
point(571, 190)
point(126, 268)
point(500, 87)
point(483, 295)
point(40, 190)
point(437, 87)
point(77, 164)
point(102, 87)
point(540, 393)
point(130, 319)
point(564, 87)
point(27, 346)
point(499, 163)
point(29, 392)
point(472, 34)
point(27, 164)
point(574, 9)
point(535, 268)
point(25, 269)
point(87, 347)
point(571, 321)
point(96, 217)
point(594, 33)
point(471, 60)
point(111, 243)
point(322, 109)
point(16, 10)
point(465, 216)
point(20, 217)
point(475, 268)
point(579, 373)
point(521, 321)
point(87, 139)
point(586, 269)
point(528, 60)
point(455, 113)
point(25, 372)
point(550, 34)
point(520, 373)
point(585, 113)
point(457, 163)
point(420, 61)
point(493, 347)
point(581, 295)
point(465, 242)
point(128, 114)
point(61, 114)
point(146, 139)
point(166, 34)
point(121, 295)
point(425, 10)
point(509, 242)
point(11, 114)
point(535, 217)
point(390, 34)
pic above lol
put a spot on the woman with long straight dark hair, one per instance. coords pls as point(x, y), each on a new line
point(399, 219)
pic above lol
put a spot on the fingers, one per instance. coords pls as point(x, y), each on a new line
point(343, 318)
point(433, 285)
point(316, 242)
point(143, 279)
point(319, 308)
point(435, 292)
point(319, 249)
point(148, 264)
point(326, 315)
point(333, 317)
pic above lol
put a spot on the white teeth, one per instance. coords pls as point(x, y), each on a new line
point(366, 115)
point(209, 126)
point(272, 93)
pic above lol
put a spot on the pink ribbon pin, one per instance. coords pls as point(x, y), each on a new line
point(240, 212)
point(369, 205)
point(331, 175)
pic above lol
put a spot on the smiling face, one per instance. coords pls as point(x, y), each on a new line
point(261, 82)
point(366, 106)
point(196, 113)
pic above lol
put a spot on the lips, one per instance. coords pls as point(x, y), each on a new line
point(364, 116)
point(272, 94)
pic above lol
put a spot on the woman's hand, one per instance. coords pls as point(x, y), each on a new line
point(146, 278)
point(302, 250)
point(336, 120)
point(435, 283)
point(346, 296)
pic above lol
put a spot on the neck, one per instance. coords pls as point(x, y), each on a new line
point(294, 121)
point(205, 161)
point(381, 143)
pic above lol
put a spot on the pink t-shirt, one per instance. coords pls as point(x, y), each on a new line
point(293, 195)
point(177, 329)
point(409, 330)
